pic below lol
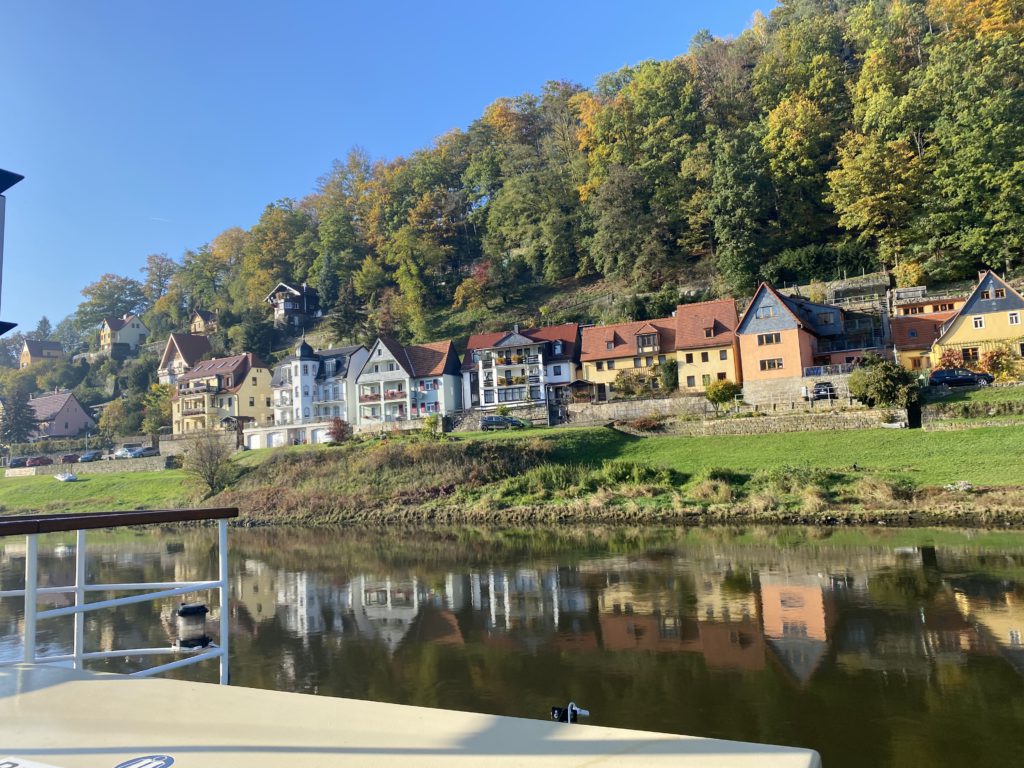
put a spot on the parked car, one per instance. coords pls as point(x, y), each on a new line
point(958, 377)
point(39, 461)
point(823, 390)
point(90, 456)
point(123, 452)
point(17, 462)
point(141, 453)
point(69, 458)
point(487, 423)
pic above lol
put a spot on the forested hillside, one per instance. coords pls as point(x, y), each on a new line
point(831, 136)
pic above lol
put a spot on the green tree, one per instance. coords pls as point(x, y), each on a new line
point(722, 392)
point(668, 373)
point(110, 296)
point(883, 382)
point(156, 409)
point(18, 421)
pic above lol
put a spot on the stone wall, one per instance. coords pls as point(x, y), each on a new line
point(790, 391)
point(469, 421)
point(106, 466)
point(825, 421)
point(627, 410)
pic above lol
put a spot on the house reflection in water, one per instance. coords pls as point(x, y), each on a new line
point(998, 608)
point(799, 612)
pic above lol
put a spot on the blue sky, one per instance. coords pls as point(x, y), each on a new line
point(149, 127)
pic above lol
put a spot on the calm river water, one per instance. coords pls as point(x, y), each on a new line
point(877, 648)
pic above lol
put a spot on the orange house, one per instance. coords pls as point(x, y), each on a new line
point(775, 341)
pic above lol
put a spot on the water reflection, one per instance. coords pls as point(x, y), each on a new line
point(868, 652)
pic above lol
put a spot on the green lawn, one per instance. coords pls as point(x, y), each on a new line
point(96, 493)
point(992, 456)
point(985, 395)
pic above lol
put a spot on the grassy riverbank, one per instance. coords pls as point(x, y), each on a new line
point(595, 475)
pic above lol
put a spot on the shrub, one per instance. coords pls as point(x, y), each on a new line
point(668, 372)
point(1001, 363)
point(814, 499)
point(722, 392)
point(883, 382)
point(878, 490)
point(647, 424)
point(339, 430)
point(716, 491)
point(951, 358)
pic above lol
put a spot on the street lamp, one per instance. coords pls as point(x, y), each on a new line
point(7, 180)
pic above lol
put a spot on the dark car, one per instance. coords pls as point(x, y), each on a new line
point(18, 462)
point(90, 456)
point(69, 458)
point(487, 423)
point(958, 377)
point(39, 461)
point(823, 390)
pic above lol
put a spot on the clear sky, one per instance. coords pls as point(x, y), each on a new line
point(149, 127)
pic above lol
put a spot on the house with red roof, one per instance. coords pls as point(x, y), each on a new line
point(707, 349)
point(182, 351)
point(400, 382)
point(221, 392)
point(122, 335)
point(913, 337)
point(521, 367)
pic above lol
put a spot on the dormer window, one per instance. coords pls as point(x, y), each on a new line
point(709, 332)
point(609, 345)
point(826, 318)
point(647, 340)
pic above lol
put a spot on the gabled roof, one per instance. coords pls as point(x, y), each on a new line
point(692, 320)
point(225, 366)
point(1013, 300)
point(514, 340)
point(918, 331)
point(788, 303)
point(191, 348)
point(305, 290)
point(204, 315)
point(622, 336)
point(46, 407)
point(36, 348)
point(567, 333)
point(433, 359)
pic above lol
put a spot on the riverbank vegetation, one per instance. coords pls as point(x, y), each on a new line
point(590, 475)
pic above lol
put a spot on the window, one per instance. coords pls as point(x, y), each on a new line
point(252, 402)
point(556, 370)
point(391, 366)
point(1000, 293)
point(611, 365)
point(721, 375)
point(599, 365)
point(437, 385)
point(709, 332)
point(979, 321)
point(986, 294)
point(305, 391)
point(268, 402)
point(254, 381)
point(723, 354)
point(768, 338)
point(305, 369)
point(609, 344)
point(773, 364)
point(229, 402)
point(764, 312)
point(912, 333)
point(1015, 318)
point(661, 359)
point(970, 354)
point(945, 307)
point(647, 340)
point(689, 357)
point(915, 363)
point(379, 351)
point(826, 318)
point(705, 380)
point(476, 356)
point(648, 361)
point(704, 357)
point(636, 362)
point(691, 381)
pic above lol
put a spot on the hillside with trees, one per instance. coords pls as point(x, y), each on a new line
point(830, 137)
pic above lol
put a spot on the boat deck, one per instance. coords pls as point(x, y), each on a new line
point(61, 717)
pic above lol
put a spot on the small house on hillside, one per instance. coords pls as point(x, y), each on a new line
point(59, 415)
point(203, 322)
point(122, 335)
point(183, 351)
point(33, 351)
point(294, 307)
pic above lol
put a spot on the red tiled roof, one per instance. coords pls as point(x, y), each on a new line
point(565, 333)
point(623, 338)
point(431, 359)
point(192, 348)
point(224, 366)
point(116, 323)
point(918, 331)
point(692, 320)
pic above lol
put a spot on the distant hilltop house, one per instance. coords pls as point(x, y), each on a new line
point(182, 352)
point(58, 414)
point(203, 322)
point(218, 391)
point(294, 306)
point(33, 351)
point(122, 335)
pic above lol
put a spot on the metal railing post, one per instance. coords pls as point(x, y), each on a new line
point(222, 553)
point(31, 584)
point(80, 558)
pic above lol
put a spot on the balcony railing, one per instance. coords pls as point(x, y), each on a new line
point(829, 370)
point(30, 526)
point(193, 411)
point(394, 394)
point(375, 398)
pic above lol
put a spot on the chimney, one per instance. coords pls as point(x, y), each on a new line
point(981, 274)
point(515, 328)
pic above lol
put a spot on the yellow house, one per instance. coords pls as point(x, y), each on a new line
point(990, 319)
point(128, 331)
point(706, 344)
point(237, 387)
point(33, 351)
point(607, 350)
point(203, 322)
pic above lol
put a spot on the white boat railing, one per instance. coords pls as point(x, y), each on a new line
point(32, 526)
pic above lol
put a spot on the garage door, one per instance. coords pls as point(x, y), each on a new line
point(275, 439)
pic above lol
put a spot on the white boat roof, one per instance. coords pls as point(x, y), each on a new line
point(60, 717)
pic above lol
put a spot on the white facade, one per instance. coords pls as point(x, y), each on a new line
point(388, 392)
point(518, 370)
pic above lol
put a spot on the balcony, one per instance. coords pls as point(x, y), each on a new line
point(193, 411)
point(829, 370)
point(394, 394)
point(371, 398)
point(184, 389)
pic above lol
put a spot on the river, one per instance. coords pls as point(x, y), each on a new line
point(877, 648)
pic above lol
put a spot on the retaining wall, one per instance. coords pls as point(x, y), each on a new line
point(788, 391)
point(825, 421)
point(147, 464)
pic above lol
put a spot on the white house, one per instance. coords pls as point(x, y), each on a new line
point(399, 382)
point(534, 366)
